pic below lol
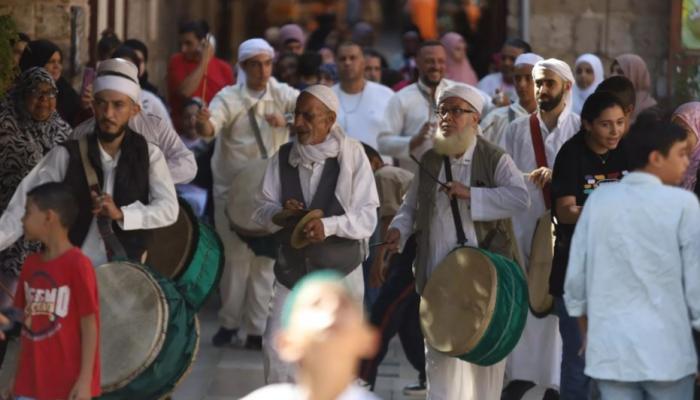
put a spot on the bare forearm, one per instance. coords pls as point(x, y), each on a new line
point(191, 82)
point(88, 345)
point(568, 214)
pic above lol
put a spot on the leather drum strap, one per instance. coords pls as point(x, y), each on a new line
point(461, 237)
point(256, 131)
point(540, 155)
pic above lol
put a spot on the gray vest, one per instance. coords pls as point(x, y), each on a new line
point(495, 236)
point(336, 253)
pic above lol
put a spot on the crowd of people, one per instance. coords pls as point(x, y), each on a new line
point(366, 171)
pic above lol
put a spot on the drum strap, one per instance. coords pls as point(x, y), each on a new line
point(540, 156)
point(256, 131)
point(115, 250)
point(461, 237)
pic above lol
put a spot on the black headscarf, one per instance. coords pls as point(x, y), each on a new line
point(37, 54)
point(143, 80)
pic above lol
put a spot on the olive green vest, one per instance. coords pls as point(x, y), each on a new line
point(495, 236)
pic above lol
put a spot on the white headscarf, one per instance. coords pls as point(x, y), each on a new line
point(249, 49)
point(560, 68)
point(580, 95)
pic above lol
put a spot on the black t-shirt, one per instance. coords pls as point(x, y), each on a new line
point(577, 172)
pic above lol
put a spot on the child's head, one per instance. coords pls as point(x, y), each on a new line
point(603, 119)
point(50, 207)
point(375, 159)
point(658, 148)
point(623, 89)
point(321, 321)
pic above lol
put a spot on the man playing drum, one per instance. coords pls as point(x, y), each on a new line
point(248, 121)
point(322, 169)
point(133, 191)
point(484, 209)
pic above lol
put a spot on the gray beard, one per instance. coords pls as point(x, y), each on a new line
point(455, 144)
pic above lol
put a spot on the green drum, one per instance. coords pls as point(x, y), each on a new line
point(474, 306)
point(149, 335)
point(188, 252)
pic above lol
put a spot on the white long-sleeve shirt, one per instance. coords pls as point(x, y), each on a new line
point(518, 143)
point(634, 270)
point(162, 209)
point(408, 110)
point(494, 125)
point(236, 143)
point(360, 216)
point(486, 204)
point(159, 132)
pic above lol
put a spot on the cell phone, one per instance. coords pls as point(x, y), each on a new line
point(88, 78)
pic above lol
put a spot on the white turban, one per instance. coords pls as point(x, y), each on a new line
point(465, 92)
point(559, 67)
point(528, 58)
point(119, 75)
point(325, 95)
point(253, 47)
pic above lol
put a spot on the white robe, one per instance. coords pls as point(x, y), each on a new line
point(537, 357)
point(494, 125)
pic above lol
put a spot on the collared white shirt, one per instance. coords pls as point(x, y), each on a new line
point(359, 220)
point(494, 81)
point(361, 115)
point(634, 270)
point(152, 104)
point(518, 143)
point(494, 125)
point(486, 204)
point(162, 209)
point(159, 132)
point(236, 143)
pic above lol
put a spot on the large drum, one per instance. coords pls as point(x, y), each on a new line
point(540, 266)
point(148, 335)
point(474, 306)
point(241, 206)
point(188, 252)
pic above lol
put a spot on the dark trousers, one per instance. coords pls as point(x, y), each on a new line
point(396, 311)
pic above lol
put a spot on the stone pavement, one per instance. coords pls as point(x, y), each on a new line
point(230, 373)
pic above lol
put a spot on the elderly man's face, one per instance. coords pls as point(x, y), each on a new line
point(312, 120)
point(258, 70)
point(456, 115)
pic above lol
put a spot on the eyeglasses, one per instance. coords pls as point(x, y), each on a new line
point(47, 94)
point(455, 112)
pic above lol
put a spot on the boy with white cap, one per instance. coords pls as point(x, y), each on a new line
point(248, 121)
point(135, 191)
point(321, 169)
point(487, 189)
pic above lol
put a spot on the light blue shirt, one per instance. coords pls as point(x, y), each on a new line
point(634, 270)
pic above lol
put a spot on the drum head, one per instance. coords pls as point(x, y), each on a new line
point(241, 200)
point(133, 318)
point(458, 301)
point(170, 248)
point(540, 267)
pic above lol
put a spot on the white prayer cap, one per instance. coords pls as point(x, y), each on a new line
point(528, 58)
point(325, 95)
point(119, 75)
point(464, 92)
point(253, 47)
point(559, 67)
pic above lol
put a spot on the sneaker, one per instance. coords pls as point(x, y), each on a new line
point(223, 337)
point(416, 390)
point(253, 342)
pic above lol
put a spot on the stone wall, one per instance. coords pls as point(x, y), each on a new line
point(567, 28)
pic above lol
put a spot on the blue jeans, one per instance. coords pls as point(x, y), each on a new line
point(574, 384)
point(681, 389)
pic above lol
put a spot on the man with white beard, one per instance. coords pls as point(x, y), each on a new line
point(488, 190)
point(538, 356)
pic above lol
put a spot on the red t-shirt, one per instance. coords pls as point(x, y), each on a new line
point(219, 75)
point(54, 296)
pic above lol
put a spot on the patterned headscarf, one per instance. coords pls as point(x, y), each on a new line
point(689, 113)
point(29, 80)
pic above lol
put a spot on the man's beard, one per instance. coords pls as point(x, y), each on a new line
point(110, 137)
point(549, 105)
point(455, 144)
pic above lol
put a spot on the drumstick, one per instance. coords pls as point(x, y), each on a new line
point(428, 173)
point(206, 72)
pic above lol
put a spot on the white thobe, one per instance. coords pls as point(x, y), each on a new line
point(152, 104)
point(408, 110)
point(362, 114)
point(293, 392)
point(493, 126)
point(537, 357)
point(493, 82)
point(357, 223)
point(162, 209)
point(450, 378)
point(159, 132)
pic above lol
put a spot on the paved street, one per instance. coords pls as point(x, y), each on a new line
point(230, 373)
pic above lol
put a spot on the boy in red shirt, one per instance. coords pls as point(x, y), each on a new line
point(57, 289)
